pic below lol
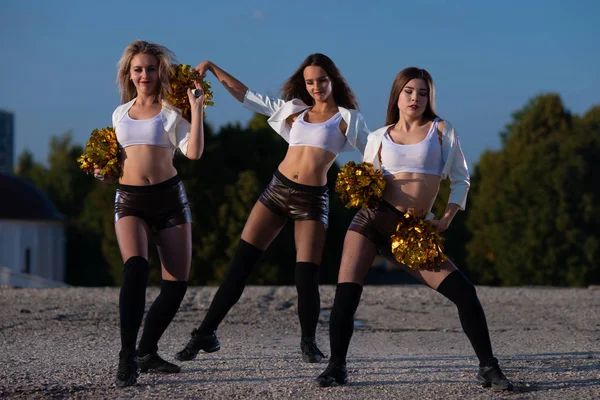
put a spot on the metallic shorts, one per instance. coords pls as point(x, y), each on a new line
point(377, 225)
point(293, 200)
point(161, 206)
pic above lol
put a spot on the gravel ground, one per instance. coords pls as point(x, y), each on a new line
point(408, 344)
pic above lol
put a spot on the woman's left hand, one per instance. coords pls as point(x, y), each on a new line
point(197, 103)
point(439, 224)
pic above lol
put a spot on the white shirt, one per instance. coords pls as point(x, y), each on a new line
point(279, 110)
point(455, 165)
point(176, 127)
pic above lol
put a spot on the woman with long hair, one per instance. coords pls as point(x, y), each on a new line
point(318, 117)
point(415, 150)
point(151, 202)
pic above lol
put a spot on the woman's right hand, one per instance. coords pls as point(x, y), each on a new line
point(98, 175)
point(197, 102)
point(203, 67)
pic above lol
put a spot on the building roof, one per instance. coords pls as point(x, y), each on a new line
point(20, 199)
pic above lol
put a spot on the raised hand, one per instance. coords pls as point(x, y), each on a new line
point(203, 67)
point(197, 102)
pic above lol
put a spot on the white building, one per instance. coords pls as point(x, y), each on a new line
point(32, 236)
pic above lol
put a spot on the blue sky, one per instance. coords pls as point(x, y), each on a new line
point(487, 59)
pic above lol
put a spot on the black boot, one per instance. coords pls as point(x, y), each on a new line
point(490, 375)
point(128, 370)
point(154, 362)
point(208, 343)
point(333, 374)
point(310, 351)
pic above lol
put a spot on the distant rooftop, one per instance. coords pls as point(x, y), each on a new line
point(20, 199)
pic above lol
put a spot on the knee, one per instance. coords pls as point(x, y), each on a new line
point(468, 288)
point(347, 297)
point(457, 288)
point(312, 255)
point(137, 268)
point(355, 276)
point(307, 277)
point(173, 289)
point(245, 258)
point(306, 269)
point(135, 262)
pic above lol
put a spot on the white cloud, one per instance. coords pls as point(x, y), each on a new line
point(257, 15)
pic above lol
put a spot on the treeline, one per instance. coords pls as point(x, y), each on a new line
point(531, 217)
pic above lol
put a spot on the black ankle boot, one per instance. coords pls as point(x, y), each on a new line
point(208, 343)
point(154, 362)
point(310, 351)
point(490, 375)
point(333, 374)
point(128, 370)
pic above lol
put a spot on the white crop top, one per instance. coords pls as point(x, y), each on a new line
point(142, 131)
point(424, 157)
point(324, 135)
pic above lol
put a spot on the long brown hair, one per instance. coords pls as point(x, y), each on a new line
point(164, 57)
point(294, 87)
point(403, 77)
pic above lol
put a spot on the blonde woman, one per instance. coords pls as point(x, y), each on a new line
point(151, 201)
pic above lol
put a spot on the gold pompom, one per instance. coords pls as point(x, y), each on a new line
point(417, 244)
point(182, 78)
point(359, 185)
point(102, 150)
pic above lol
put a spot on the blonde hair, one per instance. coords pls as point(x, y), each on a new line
point(164, 57)
point(403, 77)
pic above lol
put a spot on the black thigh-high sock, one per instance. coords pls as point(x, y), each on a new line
point(341, 322)
point(161, 314)
point(309, 301)
point(243, 262)
point(457, 288)
point(132, 300)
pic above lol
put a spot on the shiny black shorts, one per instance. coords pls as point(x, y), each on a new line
point(161, 206)
point(296, 201)
point(377, 225)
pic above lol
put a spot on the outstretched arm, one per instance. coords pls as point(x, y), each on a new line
point(233, 86)
point(253, 101)
point(195, 145)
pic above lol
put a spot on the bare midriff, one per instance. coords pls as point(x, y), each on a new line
point(307, 165)
point(410, 190)
point(145, 165)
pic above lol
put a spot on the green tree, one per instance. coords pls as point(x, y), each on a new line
point(34, 172)
point(531, 218)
